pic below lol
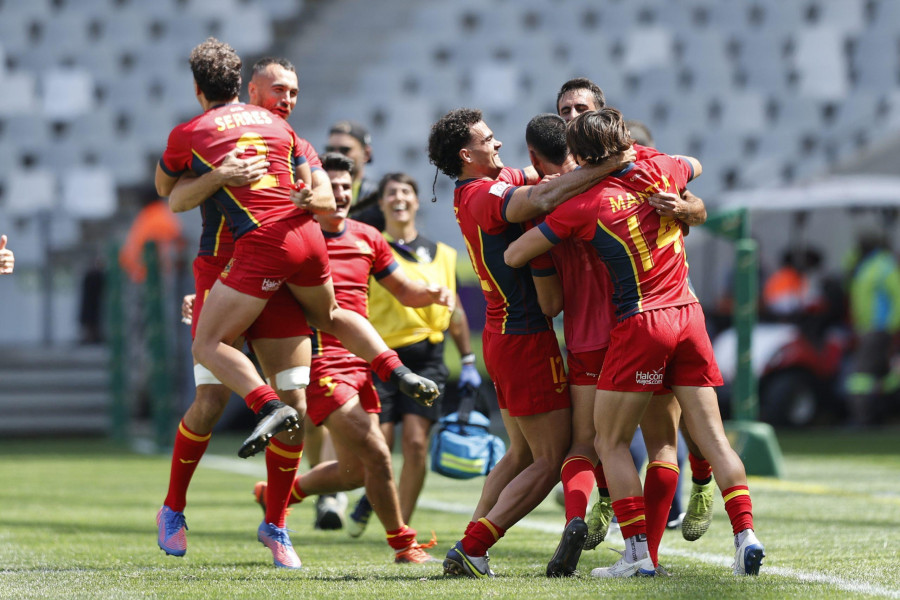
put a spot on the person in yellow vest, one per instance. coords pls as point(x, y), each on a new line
point(417, 334)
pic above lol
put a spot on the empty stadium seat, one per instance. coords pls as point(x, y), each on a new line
point(30, 191)
point(66, 93)
point(88, 193)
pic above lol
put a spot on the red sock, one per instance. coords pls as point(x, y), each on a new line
point(577, 476)
point(631, 516)
point(480, 537)
point(659, 490)
point(469, 527)
point(188, 450)
point(700, 469)
point(259, 396)
point(385, 363)
point(600, 476)
point(401, 539)
point(282, 462)
point(739, 508)
point(297, 493)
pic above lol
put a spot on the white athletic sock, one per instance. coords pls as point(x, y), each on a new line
point(636, 548)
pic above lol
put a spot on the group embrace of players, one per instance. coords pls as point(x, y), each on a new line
point(594, 227)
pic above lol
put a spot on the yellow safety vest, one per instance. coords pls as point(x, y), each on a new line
point(400, 325)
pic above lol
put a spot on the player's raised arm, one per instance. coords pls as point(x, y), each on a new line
point(529, 202)
point(532, 243)
point(416, 294)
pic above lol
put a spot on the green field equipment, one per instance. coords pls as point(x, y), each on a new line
point(755, 442)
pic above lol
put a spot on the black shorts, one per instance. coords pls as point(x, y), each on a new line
point(425, 359)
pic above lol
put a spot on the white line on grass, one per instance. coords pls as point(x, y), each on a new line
point(256, 469)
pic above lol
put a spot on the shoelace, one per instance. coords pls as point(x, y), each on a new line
point(418, 549)
point(175, 523)
point(430, 544)
point(280, 534)
point(703, 501)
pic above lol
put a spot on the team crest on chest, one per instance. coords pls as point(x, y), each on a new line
point(364, 247)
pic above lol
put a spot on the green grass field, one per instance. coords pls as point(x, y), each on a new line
point(77, 521)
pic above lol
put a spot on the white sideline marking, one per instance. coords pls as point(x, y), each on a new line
point(256, 469)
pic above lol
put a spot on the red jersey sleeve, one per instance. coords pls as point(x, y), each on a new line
point(384, 262)
point(646, 152)
point(177, 157)
point(542, 265)
point(513, 176)
point(680, 169)
point(488, 203)
point(574, 218)
point(304, 149)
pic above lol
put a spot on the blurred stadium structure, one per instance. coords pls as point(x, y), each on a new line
point(767, 92)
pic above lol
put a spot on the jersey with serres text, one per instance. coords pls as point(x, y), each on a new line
point(201, 143)
point(216, 238)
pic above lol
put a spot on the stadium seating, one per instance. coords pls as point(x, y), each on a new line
point(759, 88)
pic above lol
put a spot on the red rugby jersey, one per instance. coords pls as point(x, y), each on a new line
point(216, 238)
point(480, 206)
point(355, 253)
point(643, 252)
point(588, 309)
point(202, 142)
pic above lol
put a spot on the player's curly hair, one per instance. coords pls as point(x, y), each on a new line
point(450, 135)
point(598, 134)
point(217, 70)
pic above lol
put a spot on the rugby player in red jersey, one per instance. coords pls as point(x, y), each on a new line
point(577, 96)
point(275, 243)
point(573, 279)
point(341, 394)
point(279, 335)
point(275, 335)
point(490, 202)
point(660, 338)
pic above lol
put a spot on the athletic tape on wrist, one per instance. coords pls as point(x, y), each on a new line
point(295, 378)
point(203, 376)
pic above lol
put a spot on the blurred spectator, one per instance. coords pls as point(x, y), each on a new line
point(794, 289)
point(352, 139)
point(7, 258)
point(90, 312)
point(875, 316)
point(154, 223)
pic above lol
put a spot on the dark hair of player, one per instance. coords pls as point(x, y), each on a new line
point(546, 135)
point(598, 134)
point(335, 161)
point(583, 83)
